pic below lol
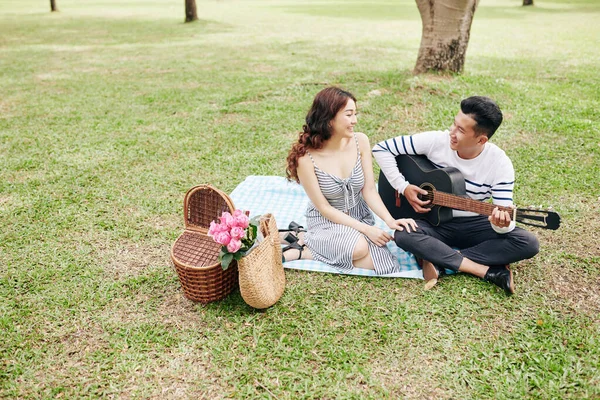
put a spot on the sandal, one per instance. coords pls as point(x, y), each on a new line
point(295, 246)
point(293, 227)
point(290, 238)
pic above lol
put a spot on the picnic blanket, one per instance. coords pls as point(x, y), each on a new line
point(287, 201)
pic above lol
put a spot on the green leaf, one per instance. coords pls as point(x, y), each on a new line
point(226, 260)
point(252, 229)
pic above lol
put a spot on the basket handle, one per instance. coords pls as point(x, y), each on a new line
point(190, 193)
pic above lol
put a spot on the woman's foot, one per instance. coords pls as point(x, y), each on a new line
point(292, 251)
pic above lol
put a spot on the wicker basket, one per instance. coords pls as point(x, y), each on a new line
point(195, 254)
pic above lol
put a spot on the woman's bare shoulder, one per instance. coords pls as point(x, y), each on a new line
point(305, 161)
point(363, 140)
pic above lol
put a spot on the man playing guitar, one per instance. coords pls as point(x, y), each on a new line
point(486, 244)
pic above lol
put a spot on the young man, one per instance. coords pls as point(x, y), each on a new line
point(486, 244)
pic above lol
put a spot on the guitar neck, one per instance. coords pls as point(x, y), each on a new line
point(465, 204)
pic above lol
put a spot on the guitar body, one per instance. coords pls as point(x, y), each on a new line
point(418, 170)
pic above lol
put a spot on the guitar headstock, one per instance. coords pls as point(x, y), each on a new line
point(541, 218)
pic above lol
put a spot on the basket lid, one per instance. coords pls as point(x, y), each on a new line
point(204, 204)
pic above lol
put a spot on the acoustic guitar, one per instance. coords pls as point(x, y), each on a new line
point(446, 191)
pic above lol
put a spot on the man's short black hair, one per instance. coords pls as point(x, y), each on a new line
point(485, 112)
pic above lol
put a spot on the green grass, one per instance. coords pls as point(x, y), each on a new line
point(110, 110)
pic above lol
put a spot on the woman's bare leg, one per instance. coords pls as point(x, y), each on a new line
point(361, 257)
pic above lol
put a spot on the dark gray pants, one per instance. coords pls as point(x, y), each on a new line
point(475, 239)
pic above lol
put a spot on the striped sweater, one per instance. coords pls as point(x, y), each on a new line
point(490, 175)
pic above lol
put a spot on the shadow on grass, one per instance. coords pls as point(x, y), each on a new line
point(46, 29)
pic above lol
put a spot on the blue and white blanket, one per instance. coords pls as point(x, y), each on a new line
point(287, 201)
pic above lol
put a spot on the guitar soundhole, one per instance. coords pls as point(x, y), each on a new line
point(429, 196)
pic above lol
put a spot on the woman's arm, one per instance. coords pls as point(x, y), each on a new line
point(370, 193)
point(308, 180)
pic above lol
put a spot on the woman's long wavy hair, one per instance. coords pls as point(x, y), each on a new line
point(317, 130)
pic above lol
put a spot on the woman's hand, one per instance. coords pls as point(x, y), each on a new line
point(377, 236)
point(403, 223)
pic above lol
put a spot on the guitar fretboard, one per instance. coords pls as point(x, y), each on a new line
point(464, 204)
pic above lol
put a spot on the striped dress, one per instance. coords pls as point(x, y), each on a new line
point(333, 243)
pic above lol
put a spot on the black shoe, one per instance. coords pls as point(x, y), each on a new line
point(294, 245)
point(290, 238)
point(502, 277)
point(293, 227)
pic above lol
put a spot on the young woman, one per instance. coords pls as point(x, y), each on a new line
point(334, 166)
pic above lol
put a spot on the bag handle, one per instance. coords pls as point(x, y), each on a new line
point(268, 229)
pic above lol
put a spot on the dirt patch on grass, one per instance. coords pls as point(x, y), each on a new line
point(263, 68)
point(85, 359)
point(130, 259)
point(429, 78)
point(405, 120)
point(232, 118)
point(578, 236)
point(578, 292)
point(570, 272)
point(5, 110)
point(85, 338)
point(410, 377)
point(125, 258)
point(176, 309)
point(5, 201)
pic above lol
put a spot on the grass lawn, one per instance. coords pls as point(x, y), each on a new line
point(110, 110)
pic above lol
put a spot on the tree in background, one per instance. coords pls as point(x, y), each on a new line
point(446, 30)
point(53, 6)
point(527, 2)
point(190, 11)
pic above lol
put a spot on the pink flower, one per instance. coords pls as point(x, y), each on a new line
point(227, 219)
point(237, 232)
point(240, 219)
point(223, 238)
point(216, 228)
point(234, 245)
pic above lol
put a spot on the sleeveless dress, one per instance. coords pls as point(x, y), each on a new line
point(333, 243)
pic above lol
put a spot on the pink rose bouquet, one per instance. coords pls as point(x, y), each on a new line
point(235, 233)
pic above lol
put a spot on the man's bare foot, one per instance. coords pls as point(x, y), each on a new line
point(430, 274)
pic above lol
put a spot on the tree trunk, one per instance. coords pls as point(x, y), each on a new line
point(53, 6)
point(190, 11)
point(527, 2)
point(446, 29)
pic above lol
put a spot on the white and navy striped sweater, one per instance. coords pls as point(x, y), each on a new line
point(490, 175)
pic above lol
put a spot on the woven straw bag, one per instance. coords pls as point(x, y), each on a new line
point(195, 254)
point(261, 276)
